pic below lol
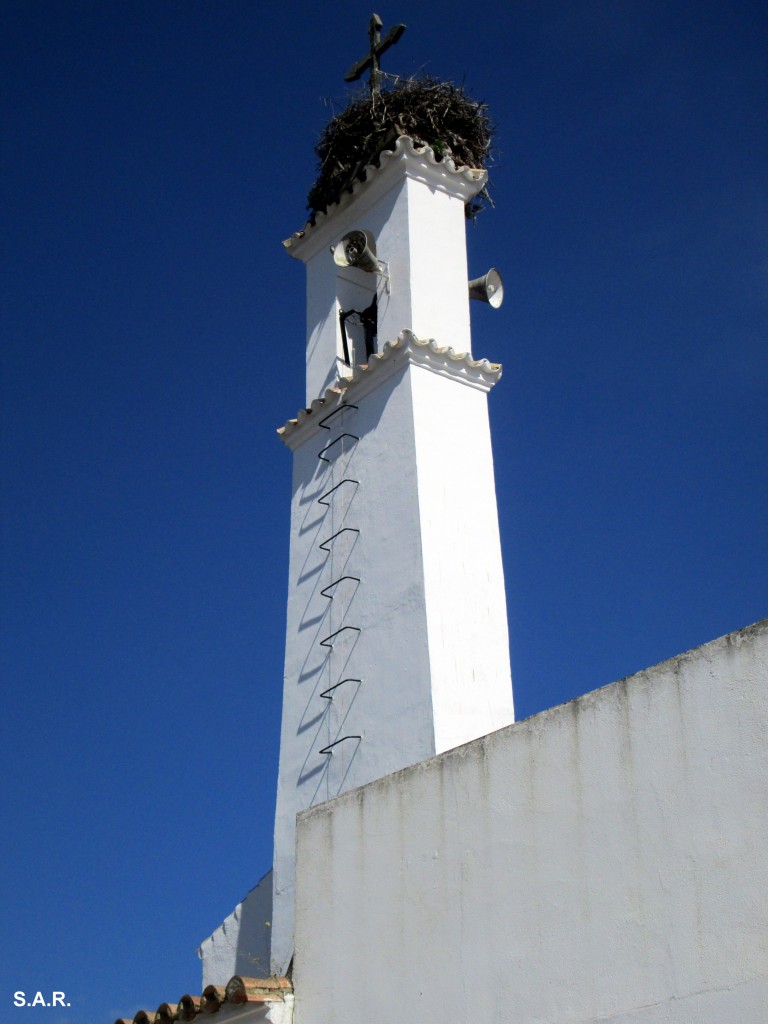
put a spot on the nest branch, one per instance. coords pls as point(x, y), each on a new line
point(432, 112)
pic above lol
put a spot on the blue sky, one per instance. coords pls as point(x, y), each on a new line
point(154, 157)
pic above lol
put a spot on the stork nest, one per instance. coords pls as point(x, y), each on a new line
point(432, 112)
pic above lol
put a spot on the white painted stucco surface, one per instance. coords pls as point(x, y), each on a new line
point(464, 597)
point(602, 861)
point(279, 1012)
point(241, 943)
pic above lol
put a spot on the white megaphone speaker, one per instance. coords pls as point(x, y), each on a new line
point(357, 249)
point(489, 288)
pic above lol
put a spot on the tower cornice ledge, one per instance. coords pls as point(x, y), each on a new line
point(406, 158)
point(405, 350)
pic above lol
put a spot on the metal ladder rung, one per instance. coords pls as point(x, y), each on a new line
point(346, 480)
point(341, 408)
point(333, 442)
point(324, 592)
point(327, 693)
point(344, 529)
point(325, 643)
point(329, 748)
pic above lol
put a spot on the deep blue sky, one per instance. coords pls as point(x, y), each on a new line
point(154, 156)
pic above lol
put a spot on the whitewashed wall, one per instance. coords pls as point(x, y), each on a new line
point(241, 943)
point(605, 860)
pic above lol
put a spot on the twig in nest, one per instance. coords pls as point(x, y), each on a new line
point(432, 112)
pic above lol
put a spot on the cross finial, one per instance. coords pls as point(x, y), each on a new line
point(377, 47)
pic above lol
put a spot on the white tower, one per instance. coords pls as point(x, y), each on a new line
point(397, 645)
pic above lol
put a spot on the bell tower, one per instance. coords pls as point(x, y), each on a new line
point(397, 645)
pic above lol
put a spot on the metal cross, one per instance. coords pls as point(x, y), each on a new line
point(377, 47)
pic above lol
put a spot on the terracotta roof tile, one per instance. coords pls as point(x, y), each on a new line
point(213, 997)
point(236, 992)
point(189, 1007)
point(256, 990)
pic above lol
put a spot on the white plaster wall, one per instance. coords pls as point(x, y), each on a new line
point(605, 860)
point(438, 267)
point(241, 943)
point(466, 604)
point(279, 1012)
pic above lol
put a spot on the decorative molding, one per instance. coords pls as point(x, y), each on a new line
point(405, 350)
point(410, 159)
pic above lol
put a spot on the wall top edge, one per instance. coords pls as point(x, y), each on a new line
point(752, 639)
point(406, 349)
point(407, 159)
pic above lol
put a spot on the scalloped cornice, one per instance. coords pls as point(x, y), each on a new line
point(406, 349)
point(406, 159)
